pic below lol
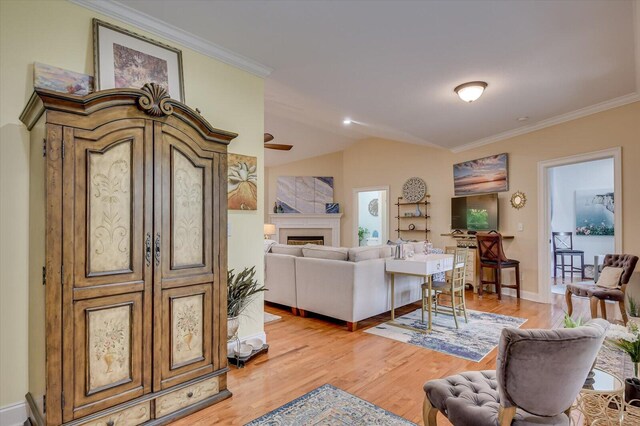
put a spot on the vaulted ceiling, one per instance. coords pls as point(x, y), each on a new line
point(392, 65)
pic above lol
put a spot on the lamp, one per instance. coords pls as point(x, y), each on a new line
point(269, 229)
point(471, 91)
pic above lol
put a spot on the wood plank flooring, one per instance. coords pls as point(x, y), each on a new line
point(308, 352)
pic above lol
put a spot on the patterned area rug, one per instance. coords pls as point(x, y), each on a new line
point(473, 341)
point(270, 317)
point(328, 405)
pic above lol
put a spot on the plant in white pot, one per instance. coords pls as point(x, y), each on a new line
point(241, 289)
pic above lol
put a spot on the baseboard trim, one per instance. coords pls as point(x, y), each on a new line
point(527, 295)
point(262, 336)
point(13, 414)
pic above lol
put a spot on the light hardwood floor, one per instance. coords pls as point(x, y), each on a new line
point(308, 352)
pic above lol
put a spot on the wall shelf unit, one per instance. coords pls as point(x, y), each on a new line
point(421, 225)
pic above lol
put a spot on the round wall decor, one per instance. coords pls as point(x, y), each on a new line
point(412, 227)
point(518, 200)
point(414, 189)
point(373, 207)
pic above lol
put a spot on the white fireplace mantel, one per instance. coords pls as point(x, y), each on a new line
point(307, 221)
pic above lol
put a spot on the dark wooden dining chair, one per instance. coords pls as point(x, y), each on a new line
point(492, 256)
point(563, 246)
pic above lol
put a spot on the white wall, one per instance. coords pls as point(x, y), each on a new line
point(565, 180)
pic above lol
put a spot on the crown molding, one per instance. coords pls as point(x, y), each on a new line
point(162, 29)
point(562, 118)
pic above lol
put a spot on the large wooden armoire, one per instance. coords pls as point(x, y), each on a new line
point(128, 258)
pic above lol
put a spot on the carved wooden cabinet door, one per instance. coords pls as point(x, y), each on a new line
point(185, 219)
point(107, 265)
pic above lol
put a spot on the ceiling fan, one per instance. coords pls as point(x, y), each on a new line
point(268, 137)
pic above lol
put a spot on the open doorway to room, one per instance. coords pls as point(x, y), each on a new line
point(372, 213)
point(580, 218)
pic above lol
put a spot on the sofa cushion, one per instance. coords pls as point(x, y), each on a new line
point(287, 249)
point(357, 254)
point(386, 251)
point(325, 252)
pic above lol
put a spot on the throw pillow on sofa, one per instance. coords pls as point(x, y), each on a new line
point(358, 254)
point(324, 252)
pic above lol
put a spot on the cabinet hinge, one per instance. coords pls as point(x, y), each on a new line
point(63, 149)
point(44, 147)
point(44, 275)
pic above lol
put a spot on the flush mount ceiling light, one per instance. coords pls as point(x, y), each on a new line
point(346, 121)
point(471, 91)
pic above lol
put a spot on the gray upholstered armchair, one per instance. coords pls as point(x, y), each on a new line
point(538, 376)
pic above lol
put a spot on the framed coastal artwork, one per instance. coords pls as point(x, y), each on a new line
point(124, 59)
point(595, 212)
point(481, 176)
point(242, 187)
point(60, 80)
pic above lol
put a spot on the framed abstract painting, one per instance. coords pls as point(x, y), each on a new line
point(242, 189)
point(122, 59)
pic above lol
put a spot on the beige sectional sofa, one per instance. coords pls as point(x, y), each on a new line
point(346, 284)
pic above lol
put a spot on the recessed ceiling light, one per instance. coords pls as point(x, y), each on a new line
point(523, 118)
point(346, 121)
point(470, 91)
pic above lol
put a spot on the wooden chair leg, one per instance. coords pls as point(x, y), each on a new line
point(499, 283)
point(506, 415)
point(567, 298)
point(464, 305)
point(429, 413)
point(555, 267)
point(453, 307)
point(518, 281)
point(562, 263)
point(623, 311)
point(582, 266)
point(480, 281)
point(603, 308)
point(352, 326)
point(593, 302)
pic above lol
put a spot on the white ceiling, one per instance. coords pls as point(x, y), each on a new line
point(392, 65)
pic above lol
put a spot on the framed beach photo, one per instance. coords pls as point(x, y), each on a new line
point(123, 59)
point(481, 176)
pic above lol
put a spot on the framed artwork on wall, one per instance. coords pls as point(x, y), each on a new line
point(595, 212)
point(242, 186)
point(61, 80)
point(481, 176)
point(122, 59)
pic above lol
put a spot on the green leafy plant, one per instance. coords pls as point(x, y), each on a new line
point(571, 323)
point(633, 307)
point(241, 289)
point(362, 233)
point(627, 339)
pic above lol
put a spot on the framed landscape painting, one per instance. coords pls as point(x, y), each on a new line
point(61, 80)
point(481, 176)
point(242, 188)
point(123, 59)
point(595, 212)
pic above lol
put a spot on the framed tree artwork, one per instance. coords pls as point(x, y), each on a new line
point(123, 59)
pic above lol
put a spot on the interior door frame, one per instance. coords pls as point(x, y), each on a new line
point(544, 209)
point(356, 213)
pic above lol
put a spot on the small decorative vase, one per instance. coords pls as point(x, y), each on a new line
point(275, 207)
point(233, 323)
point(632, 391)
point(418, 213)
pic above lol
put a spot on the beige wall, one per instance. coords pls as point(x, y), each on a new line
point(59, 33)
point(378, 162)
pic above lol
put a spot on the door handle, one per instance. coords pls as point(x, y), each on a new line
point(157, 249)
point(147, 249)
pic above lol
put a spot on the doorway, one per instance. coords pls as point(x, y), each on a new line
point(580, 197)
point(372, 213)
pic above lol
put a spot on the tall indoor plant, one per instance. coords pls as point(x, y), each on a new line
point(241, 289)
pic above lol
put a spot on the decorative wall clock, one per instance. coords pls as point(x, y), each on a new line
point(414, 189)
point(518, 200)
point(373, 207)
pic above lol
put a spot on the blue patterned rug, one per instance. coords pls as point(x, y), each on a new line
point(473, 341)
point(329, 406)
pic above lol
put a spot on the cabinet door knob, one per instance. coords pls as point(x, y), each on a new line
point(190, 394)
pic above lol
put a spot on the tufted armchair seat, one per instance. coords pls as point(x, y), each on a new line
point(539, 374)
point(600, 294)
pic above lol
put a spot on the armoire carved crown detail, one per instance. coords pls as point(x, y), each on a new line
point(154, 101)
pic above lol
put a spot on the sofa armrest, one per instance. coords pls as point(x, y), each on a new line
point(280, 279)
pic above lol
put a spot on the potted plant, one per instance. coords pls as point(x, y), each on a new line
point(633, 310)
point(628, 339)
point(241, 288)
point(362, 234)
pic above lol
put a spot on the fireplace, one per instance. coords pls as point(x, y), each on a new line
point(293, 240)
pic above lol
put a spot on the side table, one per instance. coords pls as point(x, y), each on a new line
point(602, 403)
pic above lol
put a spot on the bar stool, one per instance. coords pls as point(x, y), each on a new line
point(492, 256)
point(563, 246)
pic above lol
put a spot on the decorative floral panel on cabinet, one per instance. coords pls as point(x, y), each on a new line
point(187, 326)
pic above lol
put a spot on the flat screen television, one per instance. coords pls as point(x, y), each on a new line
point(475, 212)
